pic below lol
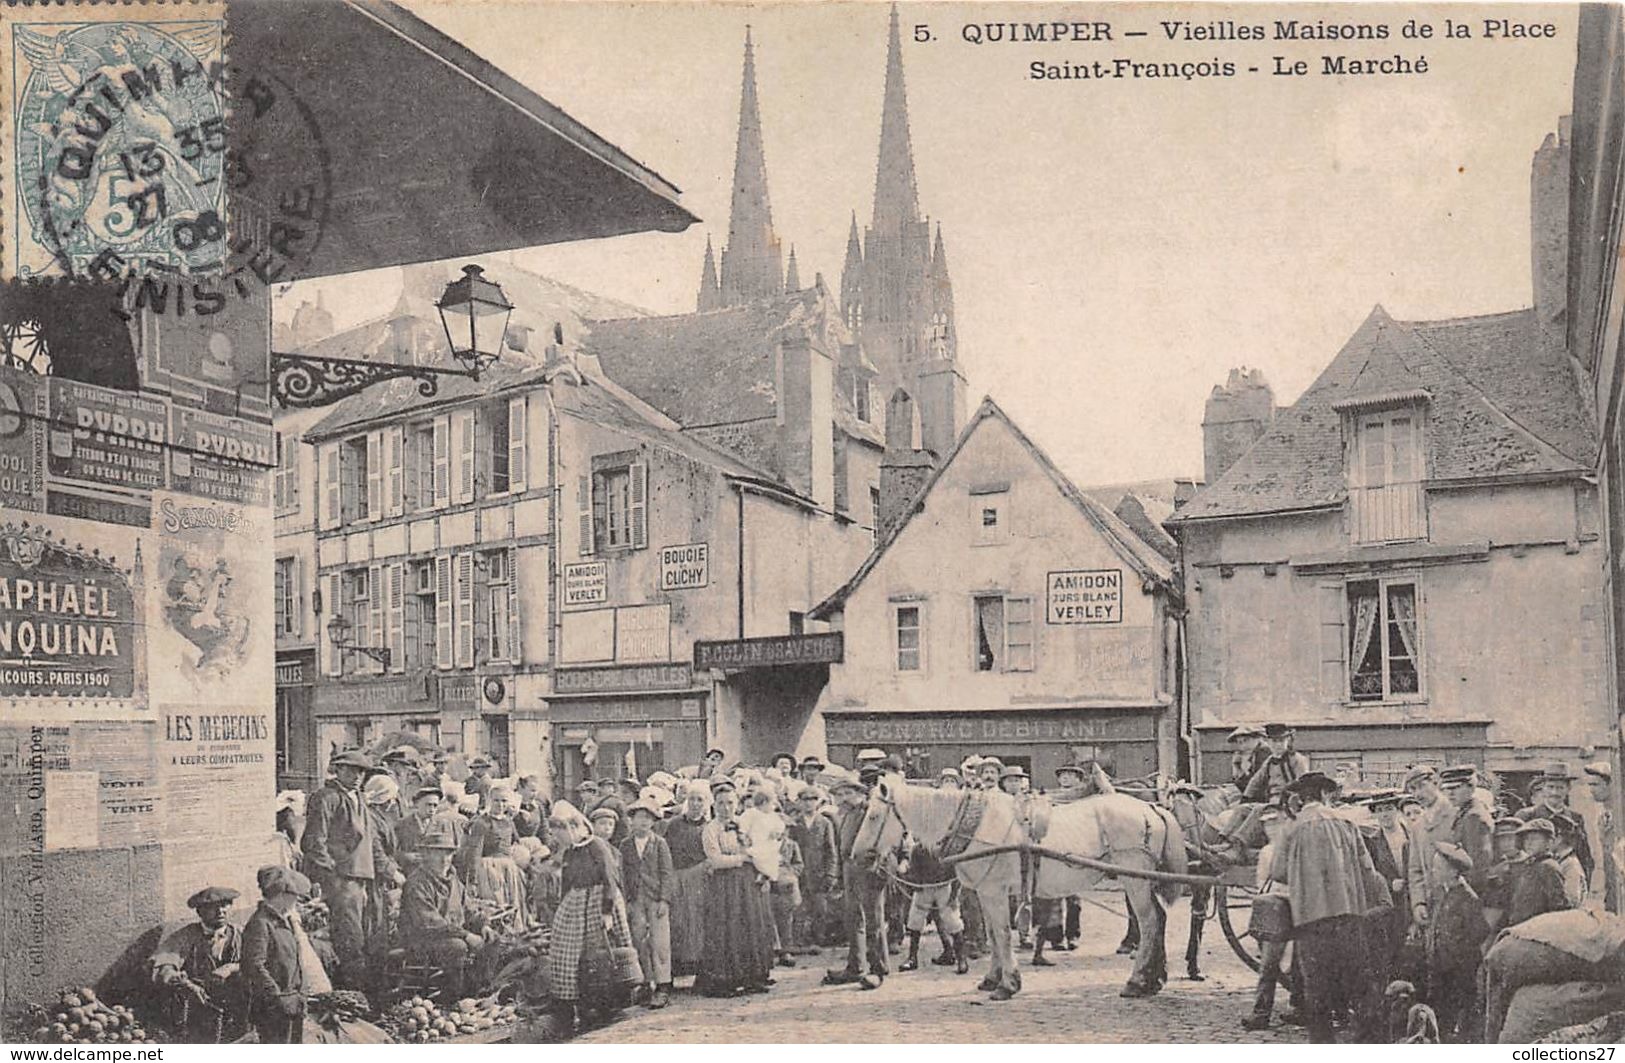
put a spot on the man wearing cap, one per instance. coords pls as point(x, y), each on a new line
point(273, 976)
point(401, 763)
point(1457, 944)
point(649, 882)
point(864, 897)
point(1471, 827)
point(1329, 875)
point(197, 966)
point(1537, 887)
point(989, 772)
point(1433, 826)
point(1497, 892)
point(437, 925)
point(821, 868)
point(1551, 796)
point(1599, 776)
point(1271, 924)
point(1248, 753)
point(1283, 765)
point(811, 768)
point(1569, 829)
point(711, 763)
point(338, 846)
point(410, 831)
point(479, 776)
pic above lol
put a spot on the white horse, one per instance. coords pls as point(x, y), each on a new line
point(1114, 828)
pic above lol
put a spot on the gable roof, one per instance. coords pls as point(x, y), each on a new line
point(715, 367)
point(1143, 558)
point(1501, 402)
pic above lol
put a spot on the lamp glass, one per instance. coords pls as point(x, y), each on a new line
point(475, 315)
point(338, 630)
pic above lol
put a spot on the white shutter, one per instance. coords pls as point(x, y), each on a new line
point(411, 488)
point(332, 606)
point(462, 446)
point(465, 610)
point(394, 472)
point(396, 620)
point(1333, 641)
point(442, 612)
point(515, 647)
point(637, 510)
point(375, 475)
point(516, 444)
point(375, 634)
point(329, 455)
point(298, 597)
point(584, 505)
point(442, 461)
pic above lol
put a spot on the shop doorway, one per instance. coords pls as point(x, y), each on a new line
point(615, 753)
point(494, 744)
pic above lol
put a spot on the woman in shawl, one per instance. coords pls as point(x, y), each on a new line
point(688, 862)
point(591, 917)
point(484, 861)
point(737, 956)
point(383, 889)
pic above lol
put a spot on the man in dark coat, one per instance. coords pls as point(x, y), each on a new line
point(1537, 886)
point(864, 895)
point(1458, 941)
point(273, 975)
point(1472, 829)
point(436, 924)
point(815, 835)
point(1329, 875)
point(199, 968)
point(338, 845)
point(1549, 797)
point(1284, 765)
point(650, 885)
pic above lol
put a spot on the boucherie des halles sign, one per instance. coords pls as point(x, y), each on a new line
point(68, 620)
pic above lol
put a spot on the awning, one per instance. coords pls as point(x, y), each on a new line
point(427, 150)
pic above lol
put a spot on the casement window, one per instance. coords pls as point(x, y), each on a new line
point(1004, 633)
point(908, 621)
point(289, 594)
point(286, 484)
point(501, 596)
point(418, 616)
point(613, 502)
point(354, 480)
point(1385, 477)
point(1384, 639)
point(444, 631)
point(860, 399)
point(418, 470)
point(502, 442)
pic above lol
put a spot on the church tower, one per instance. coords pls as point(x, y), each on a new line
point(752, 263)
point(895, 289)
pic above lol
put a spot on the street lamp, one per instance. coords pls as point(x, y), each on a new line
point(474, 314)
point(338, 633)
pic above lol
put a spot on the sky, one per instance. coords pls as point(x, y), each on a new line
point(1116, 246)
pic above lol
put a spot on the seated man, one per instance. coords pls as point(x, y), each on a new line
point(436, 923)
point(197, 967)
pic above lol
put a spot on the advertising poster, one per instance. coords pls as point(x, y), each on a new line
point(107, 438)
point(217, 763)
point(214, 360)
point(23, 411)
point(222, 458)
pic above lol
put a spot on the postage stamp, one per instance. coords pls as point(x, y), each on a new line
point(113, 147)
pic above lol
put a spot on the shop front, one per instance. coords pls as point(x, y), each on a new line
point(771, 686)
point(356, 713)
point(630, 720)
point(296, 767)
point(1124, 741)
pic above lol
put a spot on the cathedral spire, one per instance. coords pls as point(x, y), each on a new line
point(751, 264)
point(852, 275)
point(897, 199)
point(792, 275)
point(710, 292)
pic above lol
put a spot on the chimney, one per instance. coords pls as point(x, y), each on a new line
point(906, 466)
point(1549, 227)
point(1184, 491)
point(1238, 412)
point(807, 416)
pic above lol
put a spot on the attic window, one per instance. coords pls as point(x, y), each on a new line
point(1385, 473)
point(989, 516)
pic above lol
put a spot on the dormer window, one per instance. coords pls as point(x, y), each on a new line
point(1385, 472)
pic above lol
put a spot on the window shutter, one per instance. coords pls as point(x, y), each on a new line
point(375, 475)
point(442, 461)
point(376, 635)
point(1333, 643)
point(397, 617)
point(410, 491)
point(464, 576)
point(637, 510)
point(515, 646)
point(462, 439)
point(298, 597)
point(442, 612)
point(482, 610)
point(334, 604)
point(516, 444)
point(394, 460)
point(584, 506)
point(330, 485)
point(411, 625)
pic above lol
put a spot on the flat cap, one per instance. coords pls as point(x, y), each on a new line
point(871, 754)
point(1384, 798)
point(1538, 825)
point(1074, 769)
point(351, 758)
point(722, 782)
point(1508, 825)
point(274, 879)
point(1245, 731)
point(440, 835)
point(644, 805)
point(995, 761)
point(212, 895)
point(426, 791)
point(401, 754)
point(1419, 772)
point(1458, 775)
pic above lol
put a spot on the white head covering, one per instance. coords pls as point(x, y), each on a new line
point(381, 790)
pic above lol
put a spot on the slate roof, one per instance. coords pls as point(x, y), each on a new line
point(1140, 555)
point(1501, 402)
point(710, 368)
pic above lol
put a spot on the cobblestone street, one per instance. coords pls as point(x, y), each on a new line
point(1076, 1000)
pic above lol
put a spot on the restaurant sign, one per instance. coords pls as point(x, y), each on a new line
point(825, 647)
point(631, 679)
point(68, 620)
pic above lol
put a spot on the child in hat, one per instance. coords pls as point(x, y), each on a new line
point(1457, 943)
point(1537, 887)
point(650, 884)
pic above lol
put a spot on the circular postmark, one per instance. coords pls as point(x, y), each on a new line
point(121, 130)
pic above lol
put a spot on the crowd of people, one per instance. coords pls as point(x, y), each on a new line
point(1394, 898)
point(718, 874)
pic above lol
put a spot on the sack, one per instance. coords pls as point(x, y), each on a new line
point(1271, 918)
point(1537, 1010)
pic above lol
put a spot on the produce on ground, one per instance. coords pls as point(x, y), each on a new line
point(79, 1017)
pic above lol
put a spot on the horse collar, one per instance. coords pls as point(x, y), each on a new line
point(966, 822)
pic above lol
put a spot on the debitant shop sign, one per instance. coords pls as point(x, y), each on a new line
point(824, 647)
point(686, 567)
point(1085, 596)
point(68, 620)
point(999, 727)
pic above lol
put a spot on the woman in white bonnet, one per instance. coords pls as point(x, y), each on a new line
point(684, 838)
point(579, 966)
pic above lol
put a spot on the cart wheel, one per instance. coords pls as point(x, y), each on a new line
point(1242, 944)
